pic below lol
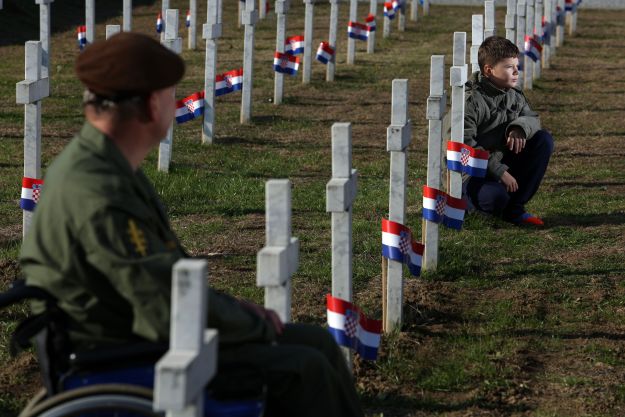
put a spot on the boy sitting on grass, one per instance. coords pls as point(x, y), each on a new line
point(498, 119)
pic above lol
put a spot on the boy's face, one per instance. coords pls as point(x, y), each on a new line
point(504, 74)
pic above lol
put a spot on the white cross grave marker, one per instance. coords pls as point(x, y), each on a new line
point(373, 6)
point(457, 79)
point(511, 21)
point(282, 7)
point(308, 40)
point(30, 92)
point(127, 13)
point(386, 29)
point(249, 18)
point(547, 47)
point(340, 195)
point(401, 17)
point(398, 137)
point(90, 20)
point(45, 31)
point(332, 38)
point(278, 260)
point(164, 7)
point(182, 374)
point(426, 7)
point(437, 104)
point(174, 43)
point(211, 31)
point(528, 66)
point(192, 44)
point(414, 10)
point(538, 32)
point(351, 42)
point(489, 19)
point(112, 30)
point(477, 37)
point(521, 9)
point(262, 9)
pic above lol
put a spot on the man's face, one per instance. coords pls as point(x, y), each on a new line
point(504, 74)
point(166, 110)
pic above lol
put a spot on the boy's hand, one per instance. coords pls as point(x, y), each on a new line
point(516, 139)
point(510, 182)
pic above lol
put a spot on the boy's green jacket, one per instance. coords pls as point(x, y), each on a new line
point(490, 113)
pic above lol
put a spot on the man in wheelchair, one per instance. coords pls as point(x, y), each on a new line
point(100, 242)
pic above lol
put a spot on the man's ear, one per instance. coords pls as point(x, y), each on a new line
point(151, 110)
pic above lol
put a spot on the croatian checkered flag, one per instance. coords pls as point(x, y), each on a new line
point(398, 245)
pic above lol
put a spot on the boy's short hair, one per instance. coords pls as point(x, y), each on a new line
point(495, 49)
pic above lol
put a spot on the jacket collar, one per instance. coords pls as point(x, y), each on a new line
point(99, 144)
point(488, 87)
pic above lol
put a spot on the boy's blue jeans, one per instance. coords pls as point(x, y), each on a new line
point(528, 168)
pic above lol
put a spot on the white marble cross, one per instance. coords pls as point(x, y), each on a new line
point(521, 9)
point(538, 31)
point(164, 7)
point(192, 43)
point(282, 8)
point(262, 9)
point(182, 374)
point(308, 40)
point(127, 16)
point(332, 38)
point(437, 104)
point(211, 31)
point(489, 19)
point(174, 43)
point(414, 10)
point(426, 7)
point(457, 79)
point(45, 32)
point(249, 18)
point(112, 30)
point(528, 66)
point(373, 9)
point(351, 42)
point(340, 195)
point(401, 17)
point(398, 137)
point(90, 20)
point(386, 29)
point(477, 37)
point(278, 260)
point(548, 47)
point(560, 24)
point(30, 92)
point(511, 21)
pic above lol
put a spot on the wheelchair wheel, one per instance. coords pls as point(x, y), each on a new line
point(108, 400)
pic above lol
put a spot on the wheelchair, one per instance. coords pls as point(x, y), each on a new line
point(111, 382)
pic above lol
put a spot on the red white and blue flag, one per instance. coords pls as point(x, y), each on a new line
point(546, 38)
point(463, 158)
point(190, 107)
point(357, 31)
point(187, 22)
point(352, 329)
point(389, 11)
point(533, 49)
point(159, 23)
point(294, 45)
point(285, 63)
point(325, 53)
point(31, 191)
point(370, 22)
point(438, 207)
point(560, 16)
point(81, 33)
point(569, 5)
point(228, 82)
point(398, 245)
point(397, 5)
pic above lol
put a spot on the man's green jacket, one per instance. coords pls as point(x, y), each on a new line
point(100, 241)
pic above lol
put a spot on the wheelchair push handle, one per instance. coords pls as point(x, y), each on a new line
point(19, 291)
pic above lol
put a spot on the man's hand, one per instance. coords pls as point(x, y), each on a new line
point(510, 182)
point(266, 314)
point(516, 139)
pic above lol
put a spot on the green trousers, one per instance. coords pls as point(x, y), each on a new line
point(305, 373)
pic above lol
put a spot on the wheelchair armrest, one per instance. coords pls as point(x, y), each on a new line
point(19, 291)
point(120, 356)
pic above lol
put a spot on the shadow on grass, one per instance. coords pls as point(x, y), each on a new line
point(401, 405)
point(584, 220)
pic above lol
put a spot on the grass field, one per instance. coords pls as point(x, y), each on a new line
point(514, 322)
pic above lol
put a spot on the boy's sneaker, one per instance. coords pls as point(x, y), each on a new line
point(527, 219)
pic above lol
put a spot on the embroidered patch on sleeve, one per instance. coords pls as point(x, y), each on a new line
point(137, 238)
